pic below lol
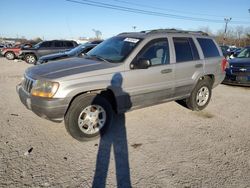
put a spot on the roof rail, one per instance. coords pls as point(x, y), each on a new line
point(124, 33)
point(173, 31)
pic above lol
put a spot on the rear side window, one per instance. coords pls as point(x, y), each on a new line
point(69, 44)
point(185, 49)
point(59, 44)
point(46, 44)
point(208, 47)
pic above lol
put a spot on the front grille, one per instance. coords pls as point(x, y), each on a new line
point(240, 71)
point(27, 84)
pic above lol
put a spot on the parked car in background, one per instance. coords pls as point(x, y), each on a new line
point(12, 52)
point(77, 51)
point(128, 71)
point(31, 55)
point(238, 70)
point(235, 52)
point(1, 47)
point(225, 50)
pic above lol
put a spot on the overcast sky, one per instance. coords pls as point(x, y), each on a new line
point(55, 19)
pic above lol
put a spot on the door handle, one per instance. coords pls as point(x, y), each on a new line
point(198, 65)
point(165, 71)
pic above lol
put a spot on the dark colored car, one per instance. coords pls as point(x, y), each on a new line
point(238, 71)
point(225, 50)
point(77, 51)
point(31, 55)
point(236, 51)
point(12, 52)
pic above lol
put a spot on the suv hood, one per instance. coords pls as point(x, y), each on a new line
point(239, 61)
point(67, 67)
point(53, 56)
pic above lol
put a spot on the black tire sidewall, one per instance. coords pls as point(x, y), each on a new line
point(192, 103)
point(77, 106)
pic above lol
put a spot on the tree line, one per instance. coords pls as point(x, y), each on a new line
point(235, 36)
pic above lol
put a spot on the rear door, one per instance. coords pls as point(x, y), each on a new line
point(59, 46)
point(212, 58)
point(154, 84)
point(45, 48)
point(188, 65)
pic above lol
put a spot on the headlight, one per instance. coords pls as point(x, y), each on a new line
point(44, 88)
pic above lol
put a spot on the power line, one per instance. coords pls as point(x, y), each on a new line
point(171, 10)
point(145, 12)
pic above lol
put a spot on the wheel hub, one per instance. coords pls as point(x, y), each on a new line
point(202, 96)
point(92, 119)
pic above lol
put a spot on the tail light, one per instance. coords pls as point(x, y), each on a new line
point(224, 64)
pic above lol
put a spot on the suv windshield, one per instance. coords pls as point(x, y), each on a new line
point(76, 50)
point(38, 45)
point(115, 49)
point(244, 53)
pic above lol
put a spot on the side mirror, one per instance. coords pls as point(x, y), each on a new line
point(141, 64)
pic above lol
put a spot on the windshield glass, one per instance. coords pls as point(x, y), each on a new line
point(244, 53)
point(37, 45)
point(115, 49)
point(76, 50)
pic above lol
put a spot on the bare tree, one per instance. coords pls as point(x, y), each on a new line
point(239, 32)
point(206, 29)
point(98, 34)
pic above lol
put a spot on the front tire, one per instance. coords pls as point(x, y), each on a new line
point(30, 58)
point(9, 55)
point(200, 95)
point(88, 116)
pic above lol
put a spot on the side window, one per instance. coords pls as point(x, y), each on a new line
point(208, 47)
point(46, 44)
point(194, 49)
point(58, 44)
point(157, 51)
point(183, 50)
point(69, 44)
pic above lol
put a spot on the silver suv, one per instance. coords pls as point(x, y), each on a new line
point(125, 72)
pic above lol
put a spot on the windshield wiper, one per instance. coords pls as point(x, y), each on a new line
point(99, 57)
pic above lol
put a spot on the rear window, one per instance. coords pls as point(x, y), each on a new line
point(208, 47)
point(185, 49)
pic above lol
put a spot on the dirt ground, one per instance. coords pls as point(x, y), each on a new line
point(160, 146)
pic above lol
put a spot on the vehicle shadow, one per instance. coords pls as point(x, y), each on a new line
point(115, 138)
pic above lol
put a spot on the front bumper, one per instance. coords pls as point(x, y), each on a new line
point(51, 109)
point(237, 80)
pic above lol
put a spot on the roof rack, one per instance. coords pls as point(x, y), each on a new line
point(174, 31)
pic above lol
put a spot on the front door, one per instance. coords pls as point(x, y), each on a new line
point(154, 84)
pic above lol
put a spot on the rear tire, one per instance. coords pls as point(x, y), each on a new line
point(9, 55)
point(30, 58)
point(88, 116)
point(200, 95)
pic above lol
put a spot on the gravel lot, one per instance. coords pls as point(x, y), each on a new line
point(160, 146)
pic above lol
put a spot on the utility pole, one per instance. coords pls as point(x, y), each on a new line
point(227, 20)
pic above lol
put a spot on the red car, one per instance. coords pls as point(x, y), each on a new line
point(12, 52)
